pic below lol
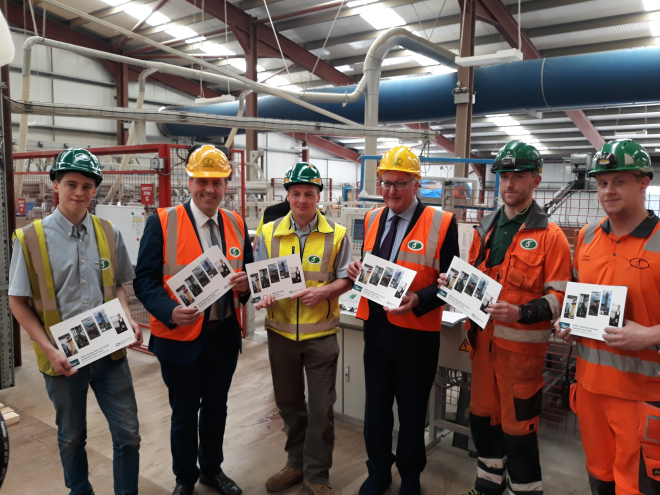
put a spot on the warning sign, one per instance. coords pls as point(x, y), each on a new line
point(465, 346)
point(147, 194)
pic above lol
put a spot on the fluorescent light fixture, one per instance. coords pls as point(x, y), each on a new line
point(442, 69)
point(631, 133)
point(654, 26)
point(182, 33)
point(241, 65)
point(141, 12)
point(216, 49)
point(344, 68)
point(195, 40)
point(494, 153)
point(541, 148)
point(395, 61)
point(657, 150)
point(114, 3)
point(499, 57)
point(516, 133)
point(505, 122)
point(496, 115)
point(381, 18)
point(359, 3)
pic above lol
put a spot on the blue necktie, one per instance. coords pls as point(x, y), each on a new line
point(387, 244)
point(221, 304)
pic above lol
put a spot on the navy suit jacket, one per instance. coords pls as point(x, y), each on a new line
point(149, 289)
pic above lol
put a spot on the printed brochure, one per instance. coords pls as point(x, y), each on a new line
point(93, 334)
point(469, 291)
point(282, 277)
point(589, 309)
point(203, 281)
point(383, 282)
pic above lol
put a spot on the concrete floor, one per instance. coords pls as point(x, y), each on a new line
point(253, 444)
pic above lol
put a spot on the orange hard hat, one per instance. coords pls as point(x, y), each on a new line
point(400, 159)
point(208, 162)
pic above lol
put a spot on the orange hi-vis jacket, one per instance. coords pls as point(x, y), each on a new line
point(537, 265)
point(419, 251)
point(632, 260)
point(181, 247)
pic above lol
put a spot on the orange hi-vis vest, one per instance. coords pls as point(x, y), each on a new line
point(537, 265)
point(181, 247)
point(632, 260)
point(419, 251)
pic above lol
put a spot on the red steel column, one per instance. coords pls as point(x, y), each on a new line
point(122, 101)
point(251, 57)
point(164, 178)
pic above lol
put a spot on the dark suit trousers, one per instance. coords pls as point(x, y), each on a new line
point(198, 396)
point(398, 363)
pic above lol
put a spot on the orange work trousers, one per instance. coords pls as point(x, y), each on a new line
point(621, 439)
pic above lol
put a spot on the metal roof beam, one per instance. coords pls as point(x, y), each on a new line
point(326, 145)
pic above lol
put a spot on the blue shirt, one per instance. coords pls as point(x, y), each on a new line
point(406, 217)
point(75, 263)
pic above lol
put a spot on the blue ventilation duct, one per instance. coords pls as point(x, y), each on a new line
point(578, 81)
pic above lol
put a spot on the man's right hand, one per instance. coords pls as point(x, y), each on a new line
point(564, 333)
point(443, 280)
point(268, 301)
point(354, 269)
point(60, 363)
point(183, 316)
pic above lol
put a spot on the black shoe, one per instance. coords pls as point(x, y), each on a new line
point(376, 485)
point(183, 490)
point(222, 484)
point(410, 486)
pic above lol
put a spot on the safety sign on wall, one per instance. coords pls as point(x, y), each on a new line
point(147, 194)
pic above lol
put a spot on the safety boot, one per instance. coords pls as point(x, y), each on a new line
point(284, 479)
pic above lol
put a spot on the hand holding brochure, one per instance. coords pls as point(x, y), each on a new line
point(93, 334)
point(282, 277)
point(469, 291)
point(589, 309)
point(383, 282)
point(203, 281)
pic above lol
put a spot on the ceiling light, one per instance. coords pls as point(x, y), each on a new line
point(654, 26)
point(142, 12)
point(631, 133)
point(344, 68)
point(381, 18)
point(423, 61)
point(505, 122)
point(395, 61)
point(494, 153)
point(657, 150)
point(359, 3)
point(516, 133)
point(241, 65)
point(648, 5)
point(195, 40)
point(499, 57)
point(114, 3)
point(496, 115)
point(442, 69)
point(541, 148)
point(182, 33)
point(216, 49)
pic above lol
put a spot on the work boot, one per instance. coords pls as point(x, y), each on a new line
point(322, 489)
point(474, 491)
point(284, 479)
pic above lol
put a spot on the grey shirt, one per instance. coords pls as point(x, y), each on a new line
point(343, 259)
point(75, 263)
point(405, 217)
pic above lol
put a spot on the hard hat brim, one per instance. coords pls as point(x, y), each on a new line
point(208, 175)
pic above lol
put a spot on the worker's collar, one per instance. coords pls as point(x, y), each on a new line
point(642, 231)
point(311, 226)
point(287, 226)
point(518, 218)
point(200, 217)
point(407, 213)
point(70, 229)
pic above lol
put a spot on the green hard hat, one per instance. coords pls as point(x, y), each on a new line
point(77, 160)
point(303, 173)
point(517, 156)
point(623, 155)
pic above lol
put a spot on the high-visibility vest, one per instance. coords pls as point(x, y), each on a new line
point(536, 265)
point(181, 247)
point(44, 303)
point(419, 251)
point(603, 259)
point(291, 318)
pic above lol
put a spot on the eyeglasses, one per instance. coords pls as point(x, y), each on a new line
point(398, 185)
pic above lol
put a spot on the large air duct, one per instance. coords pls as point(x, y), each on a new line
point(578, 81)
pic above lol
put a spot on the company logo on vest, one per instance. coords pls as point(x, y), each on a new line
point(235, 252)
point(313, 259)
point(415, 245)
point(105, 264)
point(529, 244)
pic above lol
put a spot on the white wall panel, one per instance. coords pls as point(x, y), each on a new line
point(69, 63)
point(40, 53)
point(84, 94)
point(40, 90)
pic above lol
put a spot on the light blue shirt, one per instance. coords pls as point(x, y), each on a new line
point(75, 263)
point(406, 217)
point(343, 259)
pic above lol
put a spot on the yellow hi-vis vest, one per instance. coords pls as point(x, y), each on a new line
point(291, 318)
point(33, 242)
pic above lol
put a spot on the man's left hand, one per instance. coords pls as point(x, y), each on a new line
point(504, 312)
point(630, 337)
point(408, 302)
point(240, 281)
point(138, 334)
point(311, 296)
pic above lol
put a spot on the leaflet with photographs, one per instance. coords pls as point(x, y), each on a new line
point(589, 309)
point(282, 277)
point(383, 282)
point(203, 281)
point(469, 291)
point(94, 334)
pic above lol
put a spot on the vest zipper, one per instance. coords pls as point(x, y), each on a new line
point(490, 347)
point(293, 251)
point(328, 315)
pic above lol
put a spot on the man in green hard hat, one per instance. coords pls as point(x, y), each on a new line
point(618, 388)
point(83, 265)
point(302, 330)
point(521, 249)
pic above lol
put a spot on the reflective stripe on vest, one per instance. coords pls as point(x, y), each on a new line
point(289, 317)
point(428, 258)
point(653, 244)
point(181, 247)
point(529, 336)
point(627, 364)
point(35, 252)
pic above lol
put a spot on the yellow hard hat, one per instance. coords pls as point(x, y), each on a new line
point(400, 159)
point(208, 162)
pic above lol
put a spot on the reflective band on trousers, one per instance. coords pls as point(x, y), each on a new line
point(535, 486)
point(626, 364)
point(485, 475)
point(527, 336)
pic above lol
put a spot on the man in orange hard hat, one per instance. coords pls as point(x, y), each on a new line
point(401, 344)
point(198, 352)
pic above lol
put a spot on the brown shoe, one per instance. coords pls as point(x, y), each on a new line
point(285, 479)
point(323, 489)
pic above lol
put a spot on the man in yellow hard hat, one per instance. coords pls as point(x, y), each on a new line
point(401, 344)
point(197, 351)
